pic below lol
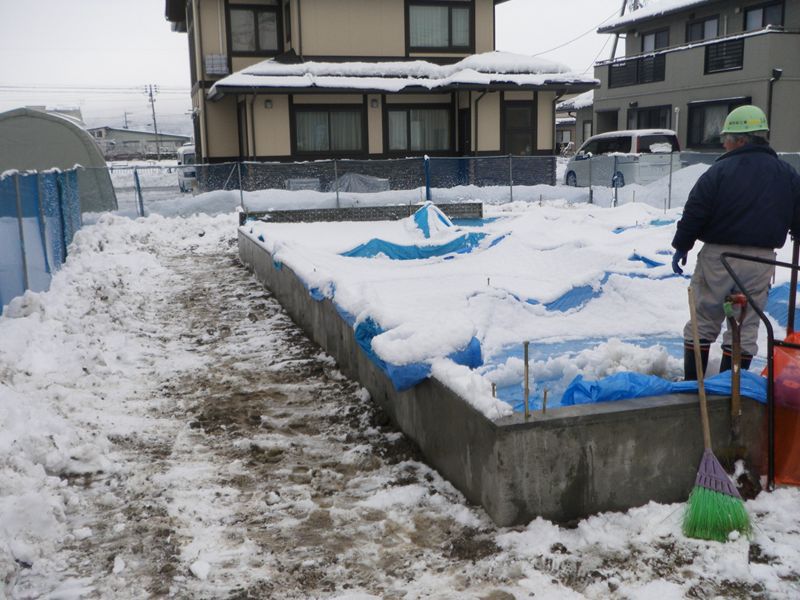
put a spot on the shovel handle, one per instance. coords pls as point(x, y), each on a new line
point(698, 361)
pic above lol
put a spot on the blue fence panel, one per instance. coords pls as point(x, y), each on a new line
point(70, 204)
point(33, 233)
point(53, 219)
point(12, 276)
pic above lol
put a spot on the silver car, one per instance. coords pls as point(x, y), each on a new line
point(619, 157)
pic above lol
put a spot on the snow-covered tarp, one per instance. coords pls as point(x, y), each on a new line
point(395, 76)
point(591, 289)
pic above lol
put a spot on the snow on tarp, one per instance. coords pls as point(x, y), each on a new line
point(429, 219)
point(625, 386)
point(778, 305)
point(405, 377)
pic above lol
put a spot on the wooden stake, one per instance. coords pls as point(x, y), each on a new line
point(527, 387)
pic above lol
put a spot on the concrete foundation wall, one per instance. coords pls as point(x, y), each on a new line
point(563, 465)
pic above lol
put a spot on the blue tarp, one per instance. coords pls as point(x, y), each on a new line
point(624, 386)
point(461, 245)
point(405, 377)
point(778, 304)
point(424, 216)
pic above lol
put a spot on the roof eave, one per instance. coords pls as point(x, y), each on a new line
point(575, 87)
point(667, 12)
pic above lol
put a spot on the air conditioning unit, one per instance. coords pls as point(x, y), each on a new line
point(216, 64)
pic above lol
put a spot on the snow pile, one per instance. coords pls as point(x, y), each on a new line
point(584, 100)
point(59, 350)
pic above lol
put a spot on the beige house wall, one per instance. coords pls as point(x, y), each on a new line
point(375, 124)
point(487, 116)
point(272, 134)
point(352, 28)
point(519, 96)
point(222, 131)
point(545, 121)
point(328, 99)
point(484, 26)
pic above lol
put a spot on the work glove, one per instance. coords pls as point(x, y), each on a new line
point(679, 256)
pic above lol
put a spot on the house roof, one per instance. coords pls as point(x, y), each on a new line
point(584, 100)
point(161, 134)
point(495, 70)
point(653, 10)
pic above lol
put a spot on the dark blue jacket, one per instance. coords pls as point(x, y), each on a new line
point(748, 197)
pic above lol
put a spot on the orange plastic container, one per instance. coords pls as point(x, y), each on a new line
point(787, 412)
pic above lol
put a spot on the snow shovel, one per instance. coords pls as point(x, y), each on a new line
point(736, 451)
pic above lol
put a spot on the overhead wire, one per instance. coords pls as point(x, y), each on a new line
point(584, 34)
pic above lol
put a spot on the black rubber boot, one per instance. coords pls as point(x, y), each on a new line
point(689, 364)
point(726, 361)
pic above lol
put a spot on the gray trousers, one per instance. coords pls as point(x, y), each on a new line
point(711, 283)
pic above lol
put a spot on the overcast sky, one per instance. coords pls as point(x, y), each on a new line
point(97, 47)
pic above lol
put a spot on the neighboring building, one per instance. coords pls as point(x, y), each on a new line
point(119, 144)
point(579, 107)
point(689, 62)
point(362, 79)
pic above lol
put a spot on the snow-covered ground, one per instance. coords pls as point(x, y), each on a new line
point(165, 431)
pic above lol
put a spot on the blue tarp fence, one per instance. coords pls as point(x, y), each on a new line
point(39, 215)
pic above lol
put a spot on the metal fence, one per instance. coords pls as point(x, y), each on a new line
point(605, 180)
point(39, 215)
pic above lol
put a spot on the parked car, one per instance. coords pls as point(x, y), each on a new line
point(187, 175)
point(619, 157)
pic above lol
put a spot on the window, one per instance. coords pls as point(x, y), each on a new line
point(655, 40)
point(724, 56)
point(419, 129)
point(641, 70)
point(330, 130)
point(761, 16)
point(706, 120)
point(704, 29)
point(587, 129)
point(254, 30)
point(439, 25)
point(519, 128)
point(653, 117)
point(647, 144)
point(621, 144)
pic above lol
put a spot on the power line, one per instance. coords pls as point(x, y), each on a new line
point(580, 36)
point(88, 89)
point(591, 64)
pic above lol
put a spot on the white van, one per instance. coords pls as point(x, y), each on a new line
point(187, 176)
point(619, 157)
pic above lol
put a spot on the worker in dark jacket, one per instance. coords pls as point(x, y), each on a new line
point(746, 202)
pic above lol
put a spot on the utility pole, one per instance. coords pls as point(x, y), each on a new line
point(151, 91)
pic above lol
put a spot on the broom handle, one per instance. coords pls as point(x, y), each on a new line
point(698, 362)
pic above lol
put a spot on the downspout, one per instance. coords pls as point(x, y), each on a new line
point(253, 124)
point(483, 93)
point(204, 126)
point(559, 95)
point(299, 30)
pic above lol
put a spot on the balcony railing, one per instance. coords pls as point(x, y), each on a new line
point(637, 71)
point(725, 56)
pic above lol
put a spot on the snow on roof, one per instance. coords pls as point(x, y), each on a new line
point(651, 11)
point(584, 100)
point(394, 76)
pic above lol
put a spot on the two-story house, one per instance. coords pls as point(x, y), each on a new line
point(312, 79)
point(689, 62)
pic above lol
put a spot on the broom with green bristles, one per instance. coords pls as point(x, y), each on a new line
point(715, 508)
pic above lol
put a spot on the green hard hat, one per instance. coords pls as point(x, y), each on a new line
point(745, 119)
